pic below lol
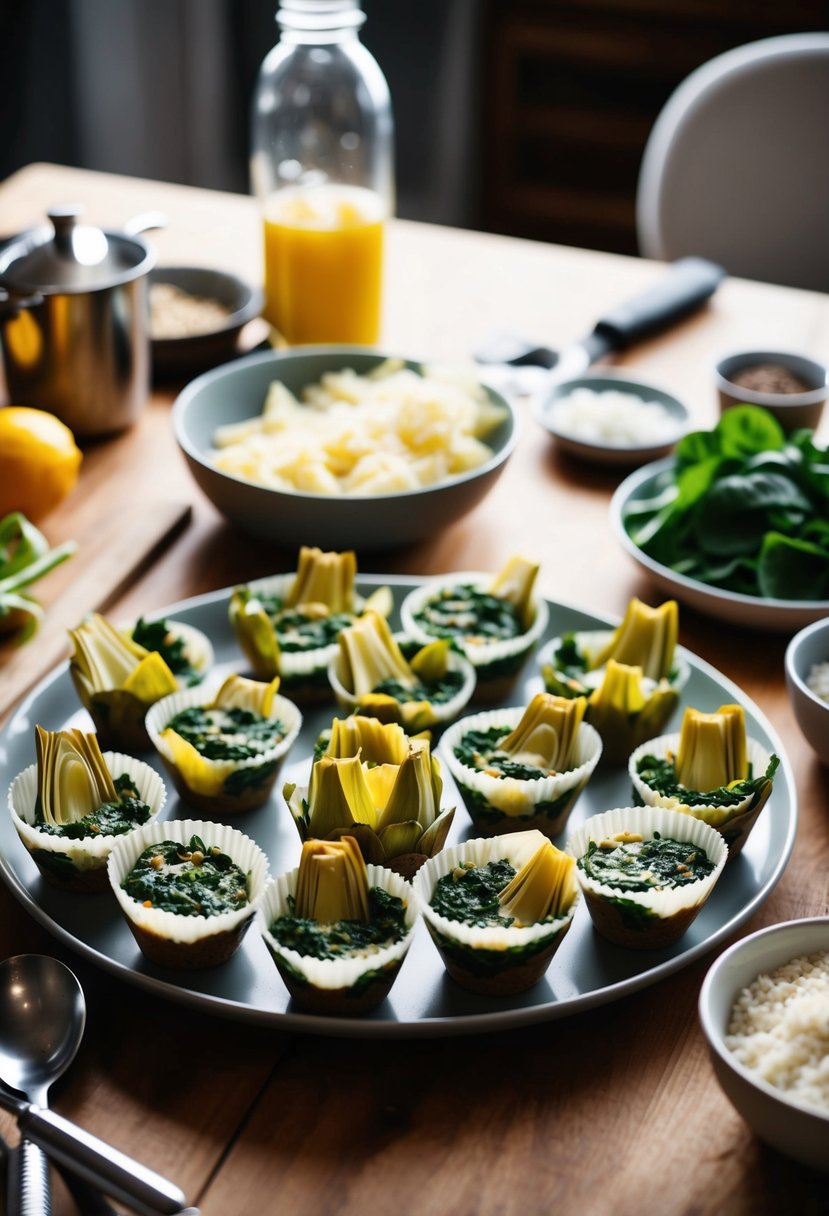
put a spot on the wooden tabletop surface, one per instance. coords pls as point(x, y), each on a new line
point(614, 1110)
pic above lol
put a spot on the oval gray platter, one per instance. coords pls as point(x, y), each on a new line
point(586, 971)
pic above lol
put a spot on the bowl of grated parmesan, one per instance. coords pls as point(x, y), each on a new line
point(763, 1008)
point(343, 447)
point(607, 418)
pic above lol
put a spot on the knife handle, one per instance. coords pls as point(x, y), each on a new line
point(687, 285)
point(140, 1188)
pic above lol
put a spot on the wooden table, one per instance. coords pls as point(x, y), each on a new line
point(616, 1110)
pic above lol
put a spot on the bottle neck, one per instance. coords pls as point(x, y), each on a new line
point(316, 21)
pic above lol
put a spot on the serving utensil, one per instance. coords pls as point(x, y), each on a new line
point(42, 1019)
point(687, 285)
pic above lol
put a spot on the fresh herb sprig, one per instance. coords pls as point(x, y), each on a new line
point(25, 557)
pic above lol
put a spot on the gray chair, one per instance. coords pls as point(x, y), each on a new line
point(736, 167)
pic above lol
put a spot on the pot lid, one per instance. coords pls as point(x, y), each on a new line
point(71, 257)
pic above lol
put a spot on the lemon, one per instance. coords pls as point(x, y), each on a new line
point(39, 461)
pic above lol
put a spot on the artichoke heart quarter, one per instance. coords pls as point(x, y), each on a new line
point(516, 582)
point(625, 711)
point(544, 887)
point(712, 748)
point(646, 638)
point(73, 780)
point(117, 681)
point(324, 578)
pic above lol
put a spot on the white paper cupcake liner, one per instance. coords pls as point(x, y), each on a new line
point(517, 848)
point(646, 821)
point(160, 714)
point(91, 853)
point(173, 927)
point(592, 641)
point(716, 816)
point(510, 795)
point(327, 973)
point(486, 653)
point(440, 713)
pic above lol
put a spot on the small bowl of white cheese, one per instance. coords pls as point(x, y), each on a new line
point(763, 1008)
point(609, 419)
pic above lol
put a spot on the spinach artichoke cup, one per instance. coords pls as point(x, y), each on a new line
point(287, 625)
point(631, 676)
point(711, 771)
point(522, 768)
point(337, 930)
point(223, 748)
point(72, 806)
point(370, 675)
point(645, 873)
point(495, 622)
point(497, 910)
point(188, 890)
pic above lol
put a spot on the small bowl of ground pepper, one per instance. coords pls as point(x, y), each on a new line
point(790, 386)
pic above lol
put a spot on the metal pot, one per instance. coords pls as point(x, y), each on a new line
point(74, 321)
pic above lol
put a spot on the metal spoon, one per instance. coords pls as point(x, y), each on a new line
point(42, 1018)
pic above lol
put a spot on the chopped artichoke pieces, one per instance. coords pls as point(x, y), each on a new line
point(712, 748)
point(646, 638)
point(543, 888)
point(547, 735)
point(369, 655)
point(332, 884)
point(323, 578)
point(73, 779)
point(515, 583)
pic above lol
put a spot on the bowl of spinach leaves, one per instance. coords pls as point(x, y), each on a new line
point(735, 522)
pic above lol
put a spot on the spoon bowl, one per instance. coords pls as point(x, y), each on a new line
point(42, 1020)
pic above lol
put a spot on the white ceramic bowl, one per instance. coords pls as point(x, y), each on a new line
point(237, 391)
point(793, 1129)
point(792, 410)
point(547, 408)
point(807, 648)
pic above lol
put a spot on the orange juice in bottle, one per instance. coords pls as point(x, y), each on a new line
point(322, 167)
point(324, 263)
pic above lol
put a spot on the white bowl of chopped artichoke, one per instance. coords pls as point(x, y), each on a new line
point(344, 446)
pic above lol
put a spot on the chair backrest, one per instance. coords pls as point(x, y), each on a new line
point(736, 167)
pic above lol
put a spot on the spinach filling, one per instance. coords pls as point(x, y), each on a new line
point(438, 692)
point(478, 749)
point(227, 734)
point(189, 880)
point(156, 635)
point(345, 938)
point(660, 775)
point(470, 894)
point(645, 865)
point(297, 632)
point(110, 819)
point(472, 615)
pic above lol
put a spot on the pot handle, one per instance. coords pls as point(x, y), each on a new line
point(144, 222)
point(11, 305)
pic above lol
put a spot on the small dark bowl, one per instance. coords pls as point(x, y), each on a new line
point(792, 410)
point(197, 352)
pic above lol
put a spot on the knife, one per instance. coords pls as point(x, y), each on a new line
point(687, 285)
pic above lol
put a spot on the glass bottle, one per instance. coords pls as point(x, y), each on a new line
point(322, 165)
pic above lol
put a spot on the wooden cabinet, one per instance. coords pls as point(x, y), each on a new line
point(570, 91)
